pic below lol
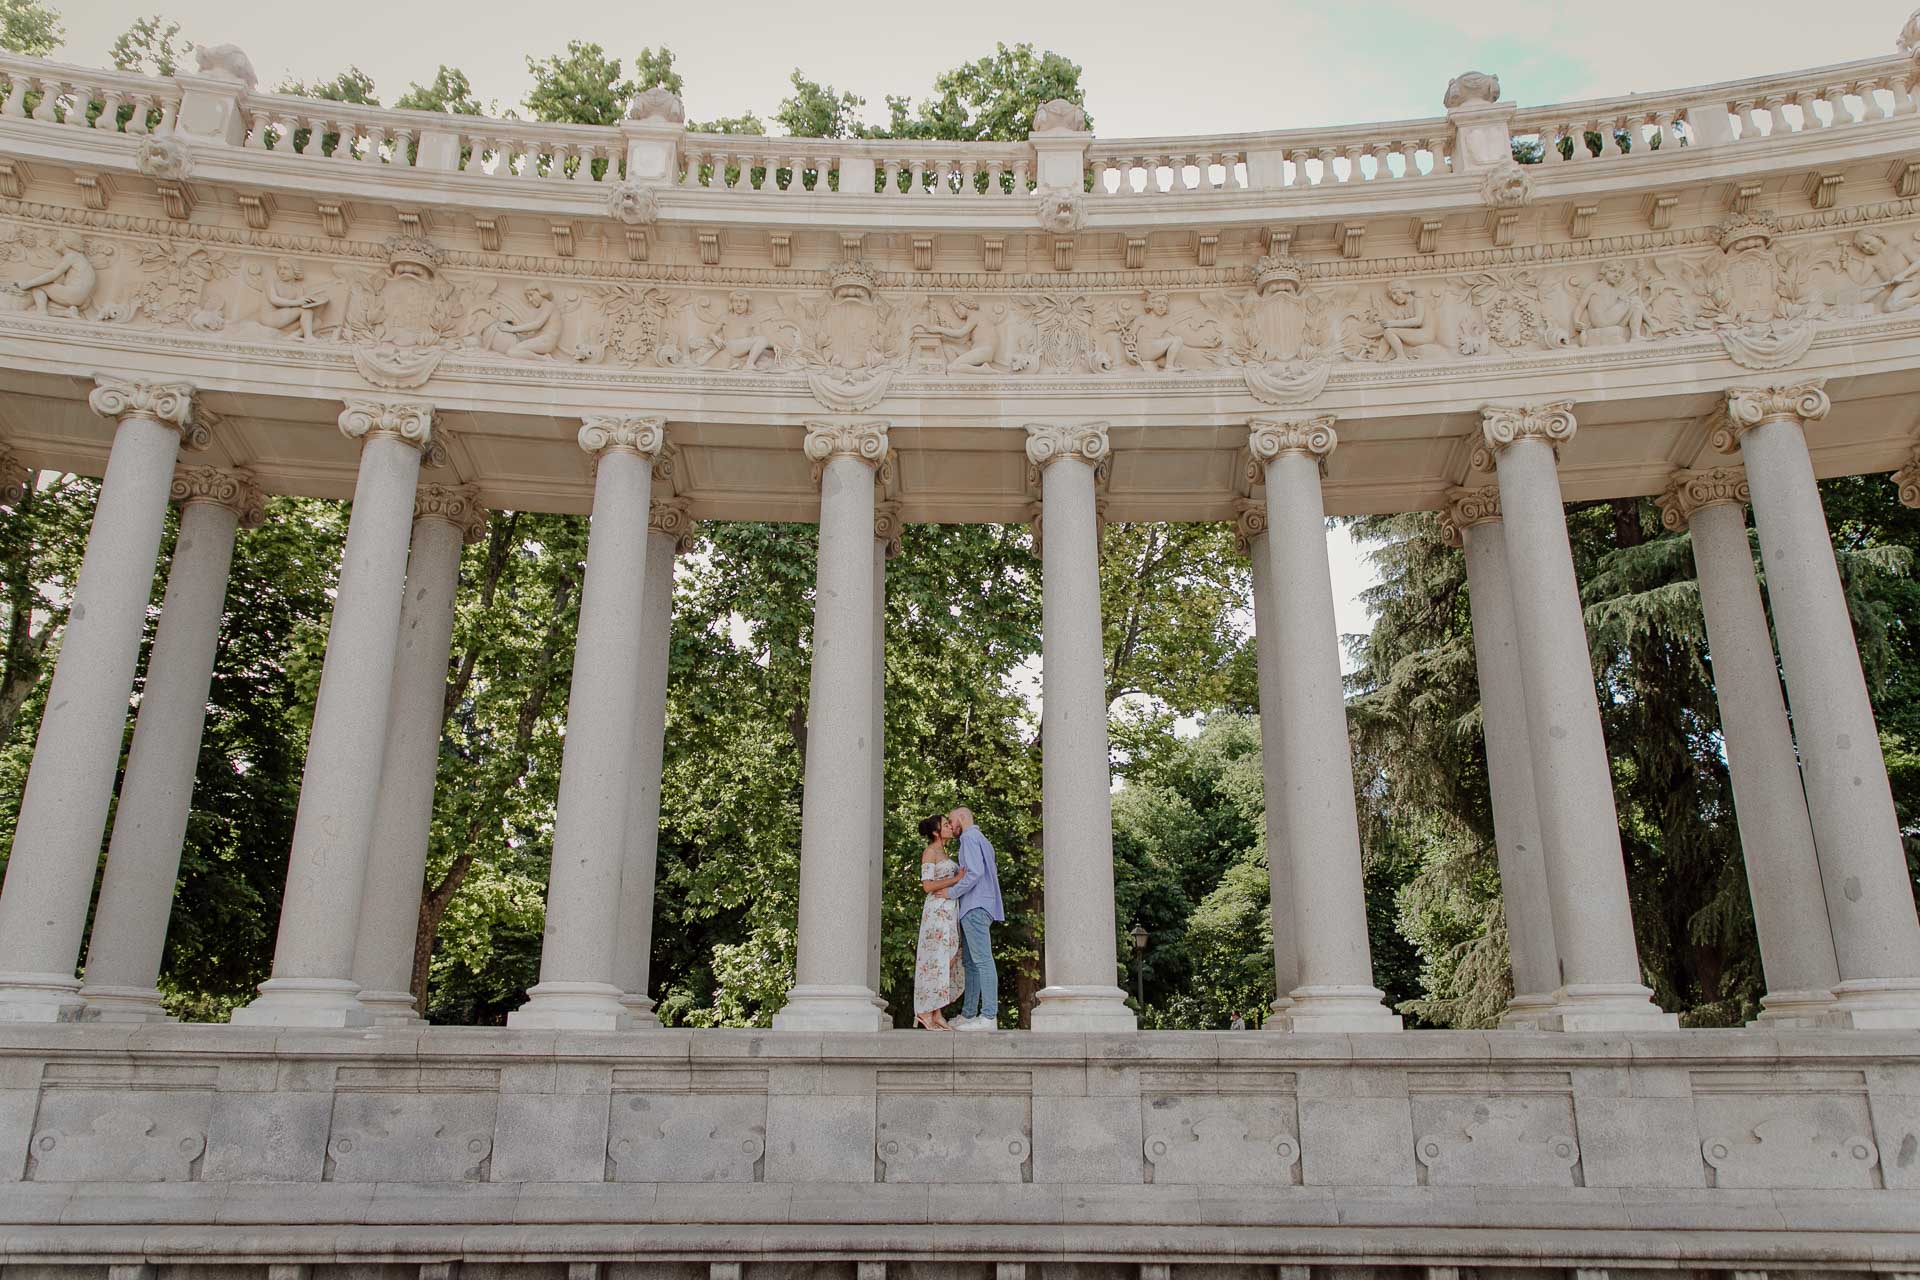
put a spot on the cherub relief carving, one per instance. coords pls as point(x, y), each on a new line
point(980, 332)
point(1611, 310)
point(64, 285)
point(1885, 271)
point(1400, 325)
point(1153, 337)
point(724, 338)
point(292, 307)
point(529, 334)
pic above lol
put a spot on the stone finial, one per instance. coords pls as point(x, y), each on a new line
point(226, 62)
point(234, 490)
point(1050, 442)
point(1688, 491)
point(1270, 439)
point(1750, 407)
point(1249, 524)
point(458, 505)
point(862, 441)
point(634, 433)
point(169, 403)
point(1470, 88)
point(1057, 115)
point(408, 421)
point(1466, 508)
point(1502, 425)
point(669, 517)
point(1908, 41)
point(659, 104)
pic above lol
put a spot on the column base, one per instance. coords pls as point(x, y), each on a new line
point(1083, 1009)
point(640, 1012)
point(304, 1002)
point(1340, 1009)
point(391, 1008)
point(572, 1006)
point(818, 1007)
point(1874, 1004)
point(1523, 1013)
point(1626, 1006)
point(123, 1004)
point(1795, 1009)
point(40, 997)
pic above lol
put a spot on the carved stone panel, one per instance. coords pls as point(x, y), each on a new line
point(1238, 1141)
point(1765, 1136)
point(954, 1138)
point(688, 1137)
point(1512, 1140)
point(88, 1135)
point(410, 1137)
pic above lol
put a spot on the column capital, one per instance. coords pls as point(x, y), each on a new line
point(1502, 425)
point(458, 505)
point(887, 526)
point(1907, 477)
point(864, 441)
point(408, 421)
point(1270, 439)
point(1750, 407)
point(234, 490)
point(1688, 491)
point(669, 517)
point(1466, 508)
point(1249, 522)
point(15, 478)
point(637, 434)
point(1050, 442)
point(168, 403)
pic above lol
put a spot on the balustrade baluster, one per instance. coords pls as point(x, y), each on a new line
point(109, 117)
point(257, 134)
point(349, 133)
point(169, 115)
point(402, 152)
point(376, 136)
point(1837, 99)
point(1020, 177)
point(48, 109)
point(969, 171)
point(1775, 106)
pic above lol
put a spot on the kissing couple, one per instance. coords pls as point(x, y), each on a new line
point(955, 957)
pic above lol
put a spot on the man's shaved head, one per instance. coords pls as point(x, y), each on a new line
point(962, 817)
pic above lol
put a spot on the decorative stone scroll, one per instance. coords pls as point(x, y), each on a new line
point(234, 490)
point(887, 526)
point(862, 441)
point(458, 505)
point(1270, 439)
point(169, 403)
point(1502, 426)
point(1049, 442)
point(670, 517)
point(634, 433)
point(408, 421)
point(1688, 491)
point(1907, 477)
point(15, 478)
point(1249, 523)
point(1466, 508)
point(1750, 407)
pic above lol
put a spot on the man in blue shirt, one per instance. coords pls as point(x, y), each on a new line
point(976, 899)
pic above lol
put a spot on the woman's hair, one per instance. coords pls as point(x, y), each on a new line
point(930, 827)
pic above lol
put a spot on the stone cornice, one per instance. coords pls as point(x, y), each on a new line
point(1688, 491)
point(1750, 407)
point(1270, 439)
point(1502, 426)
point(1249, 523)
point(234, 490)
point(168, 403)
point(864, 441)
point(669, 517)
point(457, 505)
point(1050, 442)
point(408, 421)
point(1466, 509)
point(638, 434)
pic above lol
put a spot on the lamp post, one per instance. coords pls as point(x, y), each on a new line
point(1139, 936)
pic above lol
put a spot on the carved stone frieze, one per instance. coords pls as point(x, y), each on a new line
point(458, 505)
point(1466, 508)
point(170, 403)
point(408, 421)
point(1502, 426)
point(1688, 491)
point(234, 490)
point(632, 433)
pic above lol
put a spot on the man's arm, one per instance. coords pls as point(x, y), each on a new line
point(971, 865)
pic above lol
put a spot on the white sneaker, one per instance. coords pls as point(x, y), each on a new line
point(977, 1024)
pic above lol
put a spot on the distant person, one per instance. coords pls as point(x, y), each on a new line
point(1239, 1023)
point(938, 974)
point(976, 896)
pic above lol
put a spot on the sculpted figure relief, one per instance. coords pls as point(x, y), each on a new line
point(1611, 310)
point(1401, 326)
point(290, 305)
point(728, 338)
point(529, 336)
point(66, 286)
point(1886, 271)
point(980, 332)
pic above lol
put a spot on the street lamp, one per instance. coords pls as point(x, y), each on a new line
point(1139, 935)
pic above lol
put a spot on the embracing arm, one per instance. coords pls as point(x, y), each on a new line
point(935, 886)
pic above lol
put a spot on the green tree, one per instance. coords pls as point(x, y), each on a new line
point(149, 45)
point(581, 86)
point(450, 92)
point(815, 110)
point(990, 99)
point(352, 85)
point(29, 27)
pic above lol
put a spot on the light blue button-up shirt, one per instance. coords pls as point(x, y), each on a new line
point(979, 884)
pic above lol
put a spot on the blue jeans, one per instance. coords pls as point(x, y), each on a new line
point(976, 953)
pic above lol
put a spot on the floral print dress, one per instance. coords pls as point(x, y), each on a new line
point(938, 976)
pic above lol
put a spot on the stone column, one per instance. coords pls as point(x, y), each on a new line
point(1600, 988)
point(836, 819)
point(1076, 786)
point(156, 796)
point(1472, 521)
point(577, 987)
point(1322, 828)
point(668, 533)
point(443, 518)
point(886, 545)
point(1250, 528)
point(312, 983)
point(63, 809)
point(1776, 835)
point(1862, 863)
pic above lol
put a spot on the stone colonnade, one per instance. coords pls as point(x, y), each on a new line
point(1840, 941)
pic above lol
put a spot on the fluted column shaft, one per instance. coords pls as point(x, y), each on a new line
point(63, 810)
point(633, 951)
point(1267, 609)
point(1776, 835)
point(836, 817)
point(577, 987)
point(1600, 986)
point(1335, 991)
point(1076, 787)
point(1855, 828)
point(1475, 516)
point(312, 983)
point(443, 519)
point(156, 796)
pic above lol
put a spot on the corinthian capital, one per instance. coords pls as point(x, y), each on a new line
point(670, 517)
point(1249, 524)
point(1907, 477)
point(15, 478)
point(1050, 442)
point(1466, 508)
point(234, 490)
point(1688, 491)
point(632, 433)
point(1503, 425)
point(1750, 407)
point(458, 505)
point(862, 441)
point(408, 421)
point(886, 527)
point(169, 403)
point(1270, 439)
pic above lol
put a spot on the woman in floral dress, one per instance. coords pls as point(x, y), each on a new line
point(938, 977)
